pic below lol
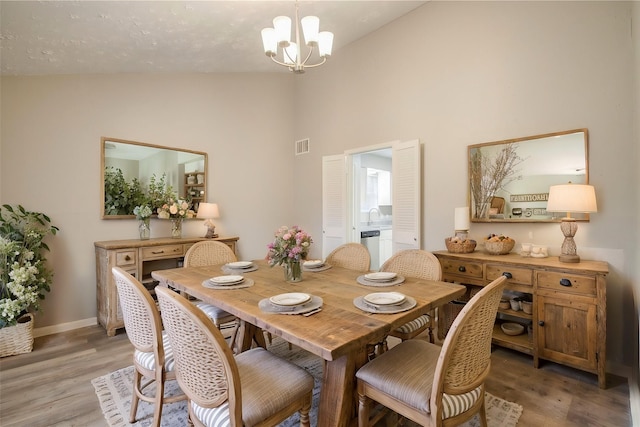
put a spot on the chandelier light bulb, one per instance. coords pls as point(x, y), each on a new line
point(325, 43)
point(310, 29)
point(282, 26)
point(269, 42)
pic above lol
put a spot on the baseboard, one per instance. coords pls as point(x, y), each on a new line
point(64, 327)
point(634, 401)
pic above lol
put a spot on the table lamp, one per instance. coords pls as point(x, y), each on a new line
point(209, 211)
point(571, 198)
point(461, 222)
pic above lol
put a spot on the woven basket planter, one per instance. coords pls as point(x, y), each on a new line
point(17, 339)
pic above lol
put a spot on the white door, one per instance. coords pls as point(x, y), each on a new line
point(406, 192)
point(334, 206)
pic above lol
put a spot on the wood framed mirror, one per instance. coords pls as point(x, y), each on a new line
point(130, 168)
point(509, 180)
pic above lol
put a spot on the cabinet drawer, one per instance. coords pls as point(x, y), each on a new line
point(461, 268)
point(125, 258)
point(567, 282)
point(167, 251)
point(521, 276)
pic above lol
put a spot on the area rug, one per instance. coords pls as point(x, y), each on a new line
point(114, 393)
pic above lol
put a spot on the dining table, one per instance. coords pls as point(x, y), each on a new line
point(341, 332)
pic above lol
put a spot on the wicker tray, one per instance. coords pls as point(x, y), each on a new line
point(464, 247)
point(17, 339)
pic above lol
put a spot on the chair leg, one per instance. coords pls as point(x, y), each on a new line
point(483, 413)
point(363, 411)
point(159, 398)
point(304, 413)
point(134, 398)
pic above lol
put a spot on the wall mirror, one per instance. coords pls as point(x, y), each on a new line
point(509, 180)
point(129, 169)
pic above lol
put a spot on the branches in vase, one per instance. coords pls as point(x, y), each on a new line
point(488, 175)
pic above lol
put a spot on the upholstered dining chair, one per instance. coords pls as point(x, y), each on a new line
point(153, 356)
point(422, 265)
point(254, 388)
point(435, 386)
point(211, 252)
point(354, 256)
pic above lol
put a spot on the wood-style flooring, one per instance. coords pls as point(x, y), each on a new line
point(51, 386)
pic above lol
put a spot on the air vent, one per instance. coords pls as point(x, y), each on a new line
point(302, 146)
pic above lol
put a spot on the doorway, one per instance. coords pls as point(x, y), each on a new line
point(372, 209)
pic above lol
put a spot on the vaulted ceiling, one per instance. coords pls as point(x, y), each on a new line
point(71, 37)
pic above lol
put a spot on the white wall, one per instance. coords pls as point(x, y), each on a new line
point(51, 129)
point(459, 73)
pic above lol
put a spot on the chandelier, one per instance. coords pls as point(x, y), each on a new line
point(280, 37)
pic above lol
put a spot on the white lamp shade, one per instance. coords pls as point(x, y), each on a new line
point(282, 26)
point(461, 219)
point(572, 198)
point(291, 53)
point(310, 28)
point(208, 210)
point(269, 41)
point(325, 43)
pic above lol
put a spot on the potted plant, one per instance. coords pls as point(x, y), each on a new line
point(290, 246)
point(24, 276)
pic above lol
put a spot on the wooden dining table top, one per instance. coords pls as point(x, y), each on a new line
point(331, 333)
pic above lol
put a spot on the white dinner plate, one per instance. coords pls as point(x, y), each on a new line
point(314, 263)
point(240, 264)
point(381, 276)
point(289, 299)
point(385, 298)
point(229, 279)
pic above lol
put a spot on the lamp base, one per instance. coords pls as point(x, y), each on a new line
point(569, 258)
point(211, 233)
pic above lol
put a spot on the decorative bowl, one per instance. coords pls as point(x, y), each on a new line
point(504, 304)
point(461, 246)
point(499, 247)
point(512, 328)
point(527, 306)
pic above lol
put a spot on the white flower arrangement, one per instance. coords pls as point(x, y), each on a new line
point(24, 275)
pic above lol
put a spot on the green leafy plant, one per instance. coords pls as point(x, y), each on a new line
point(120, 196)
point(24, 275)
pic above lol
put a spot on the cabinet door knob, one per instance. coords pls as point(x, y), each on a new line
point(507, 275)
point(565, 282)
point(127, 258)
point(541, 322)
point(461, 269)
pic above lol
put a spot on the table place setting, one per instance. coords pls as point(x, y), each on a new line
point(315, 265)
point(292, 303)
point(239, 267)
point(229, 281)
point(384, 302)
point(380, 278)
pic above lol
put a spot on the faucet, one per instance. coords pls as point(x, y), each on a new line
point(371, 210)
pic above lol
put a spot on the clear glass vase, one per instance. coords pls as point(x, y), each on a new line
point(144, 228)
point(176, 228)
point(292, 271)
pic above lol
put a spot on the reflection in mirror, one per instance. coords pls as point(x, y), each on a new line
point(133, 172)
point(509, 180)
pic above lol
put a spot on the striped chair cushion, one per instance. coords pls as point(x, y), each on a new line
point(214, 313)
point(212, 417)
point(455, 404)
point(148, 359)
point(414, 325)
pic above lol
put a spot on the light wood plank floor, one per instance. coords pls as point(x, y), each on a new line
point(51, 386)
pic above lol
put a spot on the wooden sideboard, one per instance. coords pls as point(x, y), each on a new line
point(139, 258)
point(569, 305)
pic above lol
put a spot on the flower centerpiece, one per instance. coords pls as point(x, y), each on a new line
point(143, 214)
point(291, 245)
point(24, 275)
point(176, 210)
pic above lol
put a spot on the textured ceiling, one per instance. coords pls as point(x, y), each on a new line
point(71, 37)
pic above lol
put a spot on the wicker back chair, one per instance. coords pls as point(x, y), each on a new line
point(254, 388)
point(153, 356)
point(435, 386)
point(208, 252)
point(211, 252)
point(422, 265)
point(354, 256)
